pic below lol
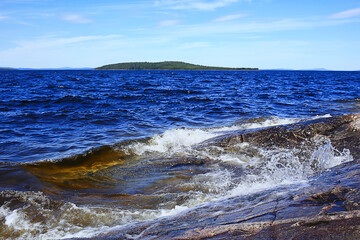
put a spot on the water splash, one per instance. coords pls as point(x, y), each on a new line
point(175, 140)
point(181, 182)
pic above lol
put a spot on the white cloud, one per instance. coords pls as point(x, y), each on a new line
point(194, 4)
point(355, 12)
point(76, 18)
point(44, 43)
point(229, 17)
point(168, 23)
point(80, 51)
point(237, 28)
point(2, 17)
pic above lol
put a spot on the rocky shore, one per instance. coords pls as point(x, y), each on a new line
point(327, 206)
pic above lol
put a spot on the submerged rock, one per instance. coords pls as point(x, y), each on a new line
point(327, 206)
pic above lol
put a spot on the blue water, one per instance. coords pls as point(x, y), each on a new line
point(56, 114)
point(86, 152)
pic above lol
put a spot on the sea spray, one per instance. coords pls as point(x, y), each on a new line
point(175, 140)
point(171, 141)
point(181, 174)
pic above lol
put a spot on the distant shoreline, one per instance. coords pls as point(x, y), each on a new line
point(166, 65)
point(5, 69)
point(8, 69)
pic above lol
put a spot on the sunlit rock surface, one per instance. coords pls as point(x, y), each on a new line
point(327, 206)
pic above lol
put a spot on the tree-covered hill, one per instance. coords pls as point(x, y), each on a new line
point(7, 69)
point(167, 65)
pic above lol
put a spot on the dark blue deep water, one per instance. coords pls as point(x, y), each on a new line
point(56, 114)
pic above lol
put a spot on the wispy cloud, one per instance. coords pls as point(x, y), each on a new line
point(229, 17)
point(194, 4)
point(53, 51)
point(168, 23)
point(258, 26)
point(76, 18)
point(2, 17)
point(355, 12)
point(61, 42)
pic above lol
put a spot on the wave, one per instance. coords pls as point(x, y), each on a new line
point(37, 215)
point(48, 100)
point(85, 170)
point(150, 178)
point(78, 171)
point(172, 141)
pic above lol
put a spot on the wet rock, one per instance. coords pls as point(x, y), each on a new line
point(343, 131)
point(325, 207)
point(315, 211)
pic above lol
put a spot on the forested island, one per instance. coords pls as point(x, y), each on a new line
point(7, 69)
point(167, 65)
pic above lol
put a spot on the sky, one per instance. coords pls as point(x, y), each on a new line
point(267, 34)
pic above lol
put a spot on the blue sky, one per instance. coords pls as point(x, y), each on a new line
point(235, 33)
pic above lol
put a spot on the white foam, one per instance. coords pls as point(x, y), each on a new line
point(320, 116)
point(68, 221)
point(72, 221)
point(170, 212)
point(284, 166)
point(175, 140)
point(261, 169)
point(326, 156)
point(172, 141)
point(270, 122)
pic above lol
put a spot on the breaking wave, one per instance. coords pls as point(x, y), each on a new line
point(151, 178)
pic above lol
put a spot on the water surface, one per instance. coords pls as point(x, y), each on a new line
point(83, 152)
